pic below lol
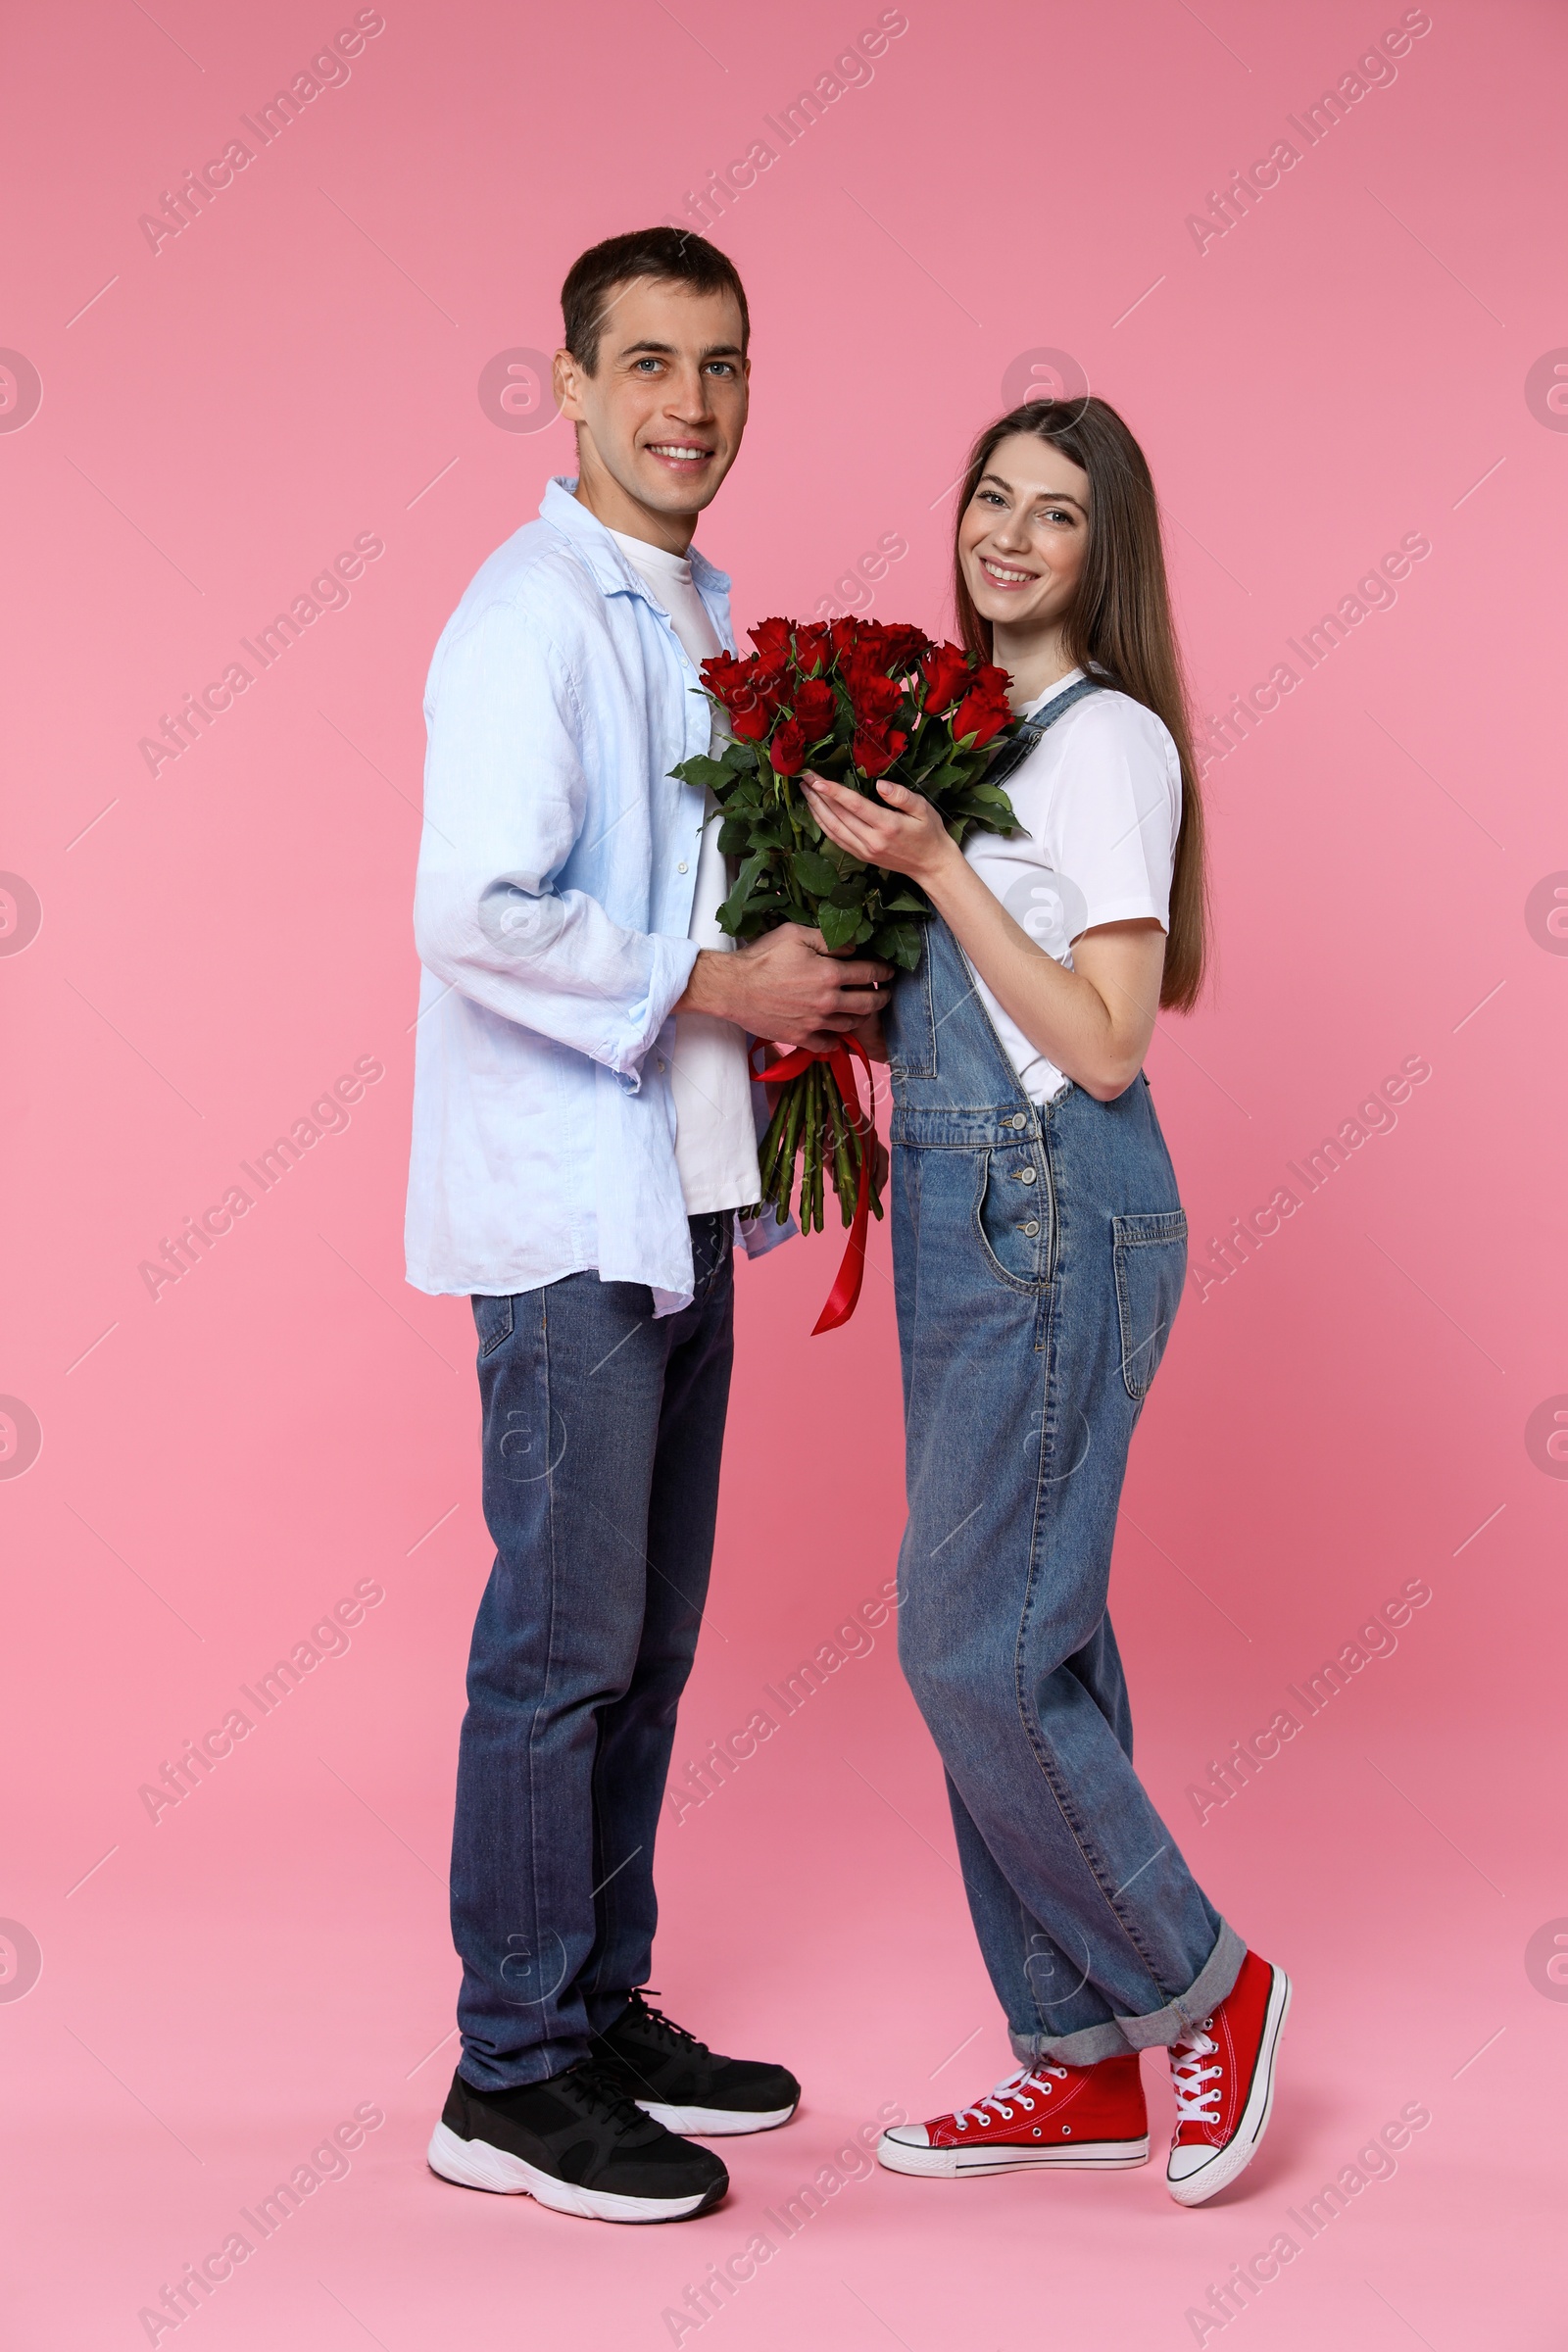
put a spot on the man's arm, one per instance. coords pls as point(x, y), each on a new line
point(505, 800)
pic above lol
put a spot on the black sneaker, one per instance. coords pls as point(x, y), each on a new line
point(684, 2084)
point(577, 2144)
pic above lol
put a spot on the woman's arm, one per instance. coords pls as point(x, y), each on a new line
point(1094, 1022)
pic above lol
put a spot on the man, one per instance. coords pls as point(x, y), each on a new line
point(584, 1139)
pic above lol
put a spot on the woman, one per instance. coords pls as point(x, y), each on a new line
point(1040, 1249)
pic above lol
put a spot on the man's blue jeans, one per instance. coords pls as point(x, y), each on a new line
point(602, 1433)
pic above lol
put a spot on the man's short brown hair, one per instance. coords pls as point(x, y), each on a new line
point(673, 255)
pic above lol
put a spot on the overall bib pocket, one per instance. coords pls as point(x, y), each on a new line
point(1150, 1255)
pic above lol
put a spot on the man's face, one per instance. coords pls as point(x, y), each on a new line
point(660, 418)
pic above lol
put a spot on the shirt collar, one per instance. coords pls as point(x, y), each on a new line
point(609, 568)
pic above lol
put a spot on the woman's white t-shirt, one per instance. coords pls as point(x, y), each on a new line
point(1100, 799)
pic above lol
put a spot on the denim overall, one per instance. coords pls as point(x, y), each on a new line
point(1039, 1254)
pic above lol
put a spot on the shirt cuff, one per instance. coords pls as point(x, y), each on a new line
point(670, 970)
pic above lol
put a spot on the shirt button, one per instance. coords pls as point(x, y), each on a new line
point(1026, 1175)
point(659, 1065)
point(1031, 1227)
point(1020, 1118)
point(681, 868)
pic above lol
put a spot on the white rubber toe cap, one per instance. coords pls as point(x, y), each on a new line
point(909, 2135)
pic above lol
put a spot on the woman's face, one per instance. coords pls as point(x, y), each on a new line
point(1023, 537)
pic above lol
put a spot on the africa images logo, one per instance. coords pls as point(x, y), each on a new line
point(20, 1960)
point(20, 1436)
point(516, 390)
point(21, 391)
point(21, 915)
point(1051, 908)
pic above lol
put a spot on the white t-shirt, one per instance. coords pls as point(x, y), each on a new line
point(715, 1133)
point(1100, 799)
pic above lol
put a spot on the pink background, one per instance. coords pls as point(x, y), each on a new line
point(1347, 365)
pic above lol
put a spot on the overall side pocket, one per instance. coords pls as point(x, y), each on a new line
point(1013, 1214)
point(1150, 1261)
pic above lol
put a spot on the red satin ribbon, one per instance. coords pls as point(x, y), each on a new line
point(846, 1291)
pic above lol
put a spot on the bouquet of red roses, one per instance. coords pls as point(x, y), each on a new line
point(855, 701)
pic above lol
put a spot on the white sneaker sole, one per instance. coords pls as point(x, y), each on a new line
point(714, 2122)
point(950, 2164)
point(475, 2164)
point(1237, 2154)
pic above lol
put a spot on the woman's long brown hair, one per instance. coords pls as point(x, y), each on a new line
point(1119, 628)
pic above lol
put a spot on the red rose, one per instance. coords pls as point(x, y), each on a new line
point(985, 710)
point(751, 723)
point(787, 751)
point(814, 706)
point(896, 644)
point(846, 635)
point(810, 647)
point(771, 639)
point(734, 684)
point(945, 673)
point(981, 714)
point(875, 753)
point(728, 680)
point(873, 698)
point(748, 689)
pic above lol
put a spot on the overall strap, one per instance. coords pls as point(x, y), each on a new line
point(1018, 747)
point(970, 1094)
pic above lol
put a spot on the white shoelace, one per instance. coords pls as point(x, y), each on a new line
point(1013, 2091)
point(1197, 2086)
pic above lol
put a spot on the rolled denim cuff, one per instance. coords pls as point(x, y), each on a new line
point(1121, 2037)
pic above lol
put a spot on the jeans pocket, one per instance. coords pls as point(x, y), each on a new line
point(1151, 1255)
point(1013, 1214)
point(492, 1319)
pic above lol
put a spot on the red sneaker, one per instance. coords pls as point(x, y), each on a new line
point(1077, 2118)
point(1223, 2078)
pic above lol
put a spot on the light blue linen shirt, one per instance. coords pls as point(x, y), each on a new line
point(550, 914)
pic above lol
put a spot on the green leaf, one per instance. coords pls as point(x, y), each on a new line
point(838, 924)
point(990, 820)
point(701, 772)
point(908, 902)
point(736, 905)
point(993, 796)
point(734, 837)
point(929, 757)
point(901, 944)
point(813, 872)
